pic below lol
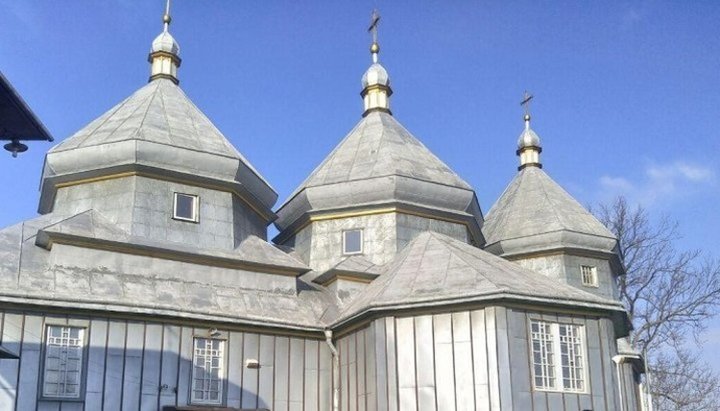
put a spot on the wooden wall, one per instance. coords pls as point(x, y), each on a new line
point(468, 360)
point(129, 361)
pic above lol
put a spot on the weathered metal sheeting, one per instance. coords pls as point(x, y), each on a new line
point(379, 162)
point(143, 283)
point(465, 360)
point(157, 128)
point(139, 365)
point(437, 269)
point(535, 213)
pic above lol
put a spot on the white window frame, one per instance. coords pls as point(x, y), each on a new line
point(79, 343)
point(362, 241)
point(221, 373)
point(196, 208)
point(557, 360)
point(593, 273)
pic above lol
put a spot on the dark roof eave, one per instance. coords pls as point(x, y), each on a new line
point(31, 122)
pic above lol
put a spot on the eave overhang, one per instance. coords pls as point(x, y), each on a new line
point(17, 120)
point(614, 310)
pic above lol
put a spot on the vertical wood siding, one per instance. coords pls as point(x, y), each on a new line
point(468, 360)
point(129, 362)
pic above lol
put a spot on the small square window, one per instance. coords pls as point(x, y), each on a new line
point(185, 207)
point(353, 242)
point(589, 275)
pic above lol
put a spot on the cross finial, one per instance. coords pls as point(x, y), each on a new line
point(166, 17)
point(375, 47)
point(526, 105)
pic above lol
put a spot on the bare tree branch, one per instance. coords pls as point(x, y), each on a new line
point(669, 295)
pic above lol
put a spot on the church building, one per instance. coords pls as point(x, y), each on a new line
point(148, 282)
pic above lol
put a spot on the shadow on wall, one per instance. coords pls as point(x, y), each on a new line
point(115, 378)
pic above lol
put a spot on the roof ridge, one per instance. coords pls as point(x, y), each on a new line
point(167, 121)
point(146, 102)
point(543, 186)
point(225, 141)
point(385, 275)
point(500, 223)
point(108, 115)
point(459, 255)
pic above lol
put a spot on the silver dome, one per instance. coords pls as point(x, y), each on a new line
point(375, 75)
point(528, 138)
point(165, 42)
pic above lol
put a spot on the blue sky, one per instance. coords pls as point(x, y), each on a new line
point(627, 93)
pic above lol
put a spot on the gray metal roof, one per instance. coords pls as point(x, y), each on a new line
point(356, 266)
point(33, 271)
point(379, 162)
point(159, 112)
point(535, 205)
point(17, 121)
point(157, 127)
point(437, 269)
point(380, 146)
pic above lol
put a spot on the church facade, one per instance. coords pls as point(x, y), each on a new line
point(148, 281)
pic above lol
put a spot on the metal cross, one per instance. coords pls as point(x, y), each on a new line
point(374, 20)
point(526, 102)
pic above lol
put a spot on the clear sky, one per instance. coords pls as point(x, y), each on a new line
point(627, 93)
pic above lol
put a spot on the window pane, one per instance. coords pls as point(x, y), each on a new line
point(352, 241)
point(63, 361)
point(543, 361)
point(589, 275)
point(185, 206)
point(571, 358)
point(208, 360)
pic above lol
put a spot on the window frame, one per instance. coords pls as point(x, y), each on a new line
point(83, 363)
point(223, 373)
point(362, 241)
point(196, 208)
point(554, 328)
point(593, 270)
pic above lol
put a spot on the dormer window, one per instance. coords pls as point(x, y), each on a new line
point(352, 242)
point(589, 275)
point(185, 207)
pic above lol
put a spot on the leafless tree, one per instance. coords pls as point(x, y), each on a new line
point(670, 296)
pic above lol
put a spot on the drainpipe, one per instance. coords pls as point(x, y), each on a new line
point(618, 359)
point(335, 370)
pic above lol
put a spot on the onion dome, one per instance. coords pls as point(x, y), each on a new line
point(529, 148)
point(165, 42)
point(535, 214)
point(380, 164)
point(157, 131)
point(165, 53)
point(376, 90)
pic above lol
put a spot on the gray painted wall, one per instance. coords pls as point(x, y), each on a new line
point(127, 363)
point(319, 244)
point(468, 360)
point(566, 267)
point(144, 207)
